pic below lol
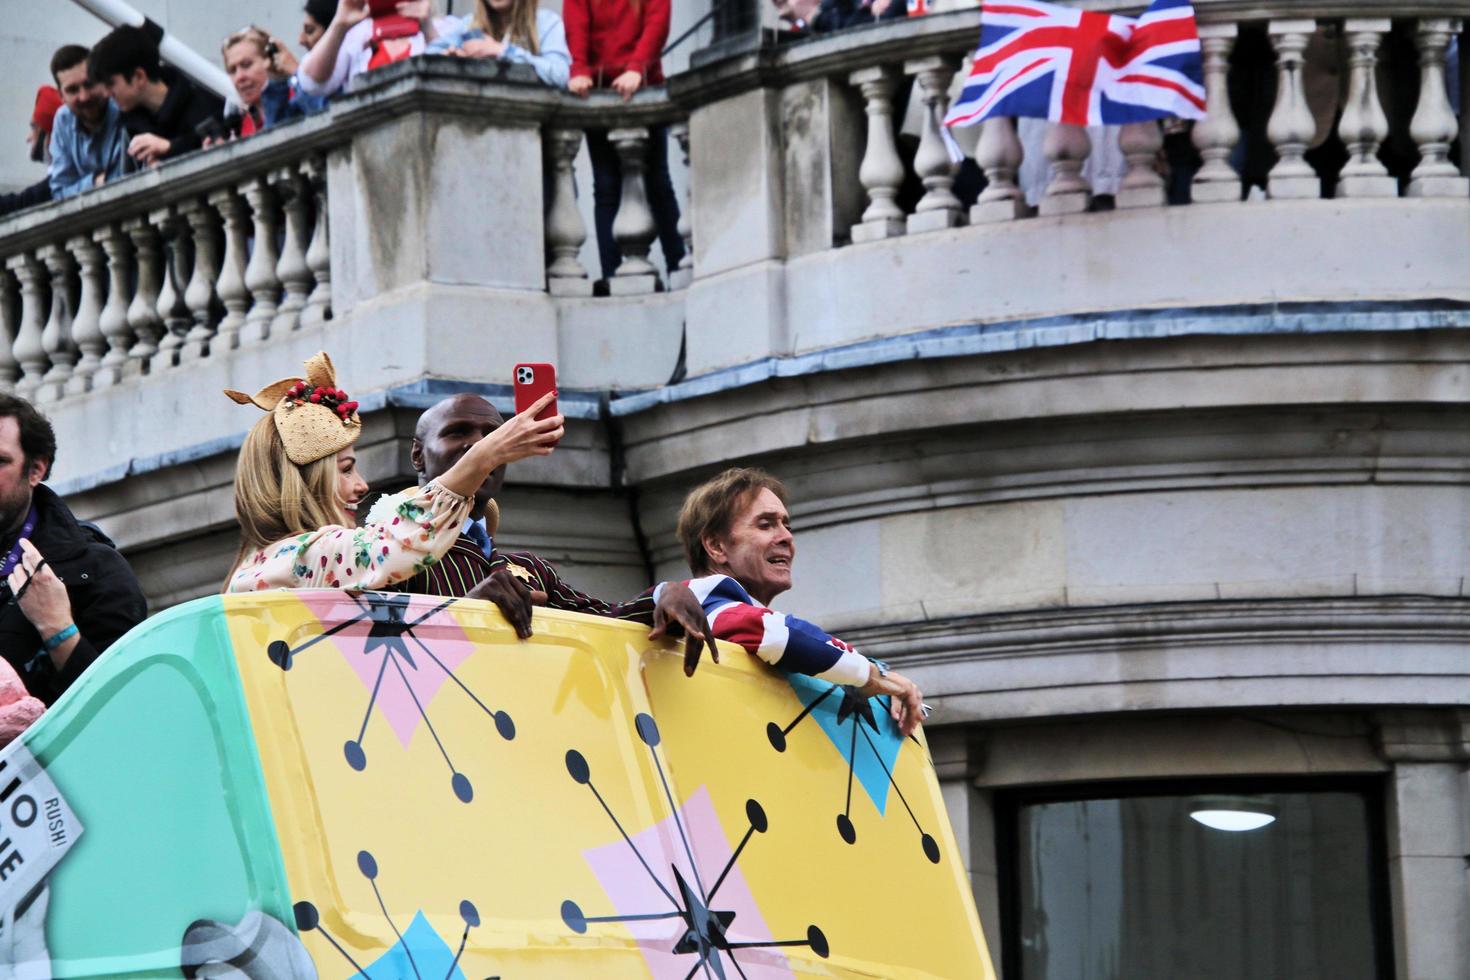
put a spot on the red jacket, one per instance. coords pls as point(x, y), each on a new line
point(609, 37)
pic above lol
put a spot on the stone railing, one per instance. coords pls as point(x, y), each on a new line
point(436, 174)
point(168, 267)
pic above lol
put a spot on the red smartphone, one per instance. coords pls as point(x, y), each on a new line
point(533, 381)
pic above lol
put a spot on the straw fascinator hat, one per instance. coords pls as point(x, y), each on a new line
point(313, 416)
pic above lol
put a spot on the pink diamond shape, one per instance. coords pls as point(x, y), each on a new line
point(440, 632)
point(633, 892)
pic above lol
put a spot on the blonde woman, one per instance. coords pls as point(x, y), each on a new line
point(296, 487)
point(513, 31)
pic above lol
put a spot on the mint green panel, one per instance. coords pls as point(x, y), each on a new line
point(153, 751)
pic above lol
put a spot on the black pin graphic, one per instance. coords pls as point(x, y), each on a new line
point(704, 927)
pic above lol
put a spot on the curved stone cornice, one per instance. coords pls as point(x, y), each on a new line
point(1387, 650)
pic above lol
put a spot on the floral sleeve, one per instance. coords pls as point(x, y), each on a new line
point(421, 528)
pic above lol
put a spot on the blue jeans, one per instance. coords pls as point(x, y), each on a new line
point(607, 195)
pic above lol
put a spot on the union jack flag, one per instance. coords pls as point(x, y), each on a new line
point(1082, 67)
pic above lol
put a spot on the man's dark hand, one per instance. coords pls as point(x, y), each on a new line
point(679, 612)
point(514, 597)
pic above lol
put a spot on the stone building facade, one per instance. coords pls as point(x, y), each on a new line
point(1165, 507)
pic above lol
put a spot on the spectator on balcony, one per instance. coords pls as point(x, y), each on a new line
point(38, 139)
point(363, 35)
point(513, 31)
point(315, 17)
point(262, 70)
point(616, 44)
point(297, 488)
point(161, 107)
point(65, 593)
point(89, 141)
point(517, 581)
point(737, 538)
point(836, 15)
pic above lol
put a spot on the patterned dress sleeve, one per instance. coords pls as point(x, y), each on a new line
point(778, 639)
point(424, 526)
point(559, 595)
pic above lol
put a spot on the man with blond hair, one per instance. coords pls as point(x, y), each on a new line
point(737, 538)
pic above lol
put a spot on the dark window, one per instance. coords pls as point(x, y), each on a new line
point(1122, 884)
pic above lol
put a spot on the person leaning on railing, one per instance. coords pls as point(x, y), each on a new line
point(261, 69)
point(512, 31)
point(161, 107)
point(297, 487)
point(356, 42)
point(48, 100)
point(89, 141)
point(616, 44)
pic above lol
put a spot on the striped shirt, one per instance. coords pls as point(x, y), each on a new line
point(780, 640)
point(464, 566)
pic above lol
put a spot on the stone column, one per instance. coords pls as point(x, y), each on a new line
point(681, 277)
point(260, 271)
point(116, 332)
point(1215, 135)
point(231, 283)
point(199, 294)
point(1428, 812)
point(633, 227)
point(938, 208)
point(318, 307)
point(29, 352)
point(998, 153)
point(173, 312)
point(1143, 185)
point(143, 317)
point(1291, 124)
point(881, 172)
point(86, 330)
point(1363, 125)
point(565, 230)
point(292, 270)
point(1067, 148)
point(10, 309)
point(56, 339)
point(1434, 125)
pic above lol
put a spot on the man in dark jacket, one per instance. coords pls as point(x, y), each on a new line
point(161, 108)
point(67, 594)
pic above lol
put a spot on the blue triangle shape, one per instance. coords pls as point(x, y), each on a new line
point(867, 766)
point(430, 953)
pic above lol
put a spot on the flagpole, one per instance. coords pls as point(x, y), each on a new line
point(118, 13)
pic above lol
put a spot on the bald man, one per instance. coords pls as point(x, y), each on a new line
point(516, 581)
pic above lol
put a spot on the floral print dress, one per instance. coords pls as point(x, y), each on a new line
point(424, 525)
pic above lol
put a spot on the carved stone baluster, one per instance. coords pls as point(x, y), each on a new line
point(998, 153)
point(1363, 125)
point(56, 337)
point(565, 231)
point(938, 208)
point(86, 327)
point(681, 277)
point(1067, 147)
point(231, 284)
point(113, 323)
point(318, 307)
point(260, 271)
point(143, 317)
point(1215, 135)
point(199, 294)
point(29, 350)
point(292, 270)
point(10, 310)
point(881, 172)
point(633, 227)
point(1142, 185)
point(1434, 125)
point(1291, 124)
point(173, 232)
